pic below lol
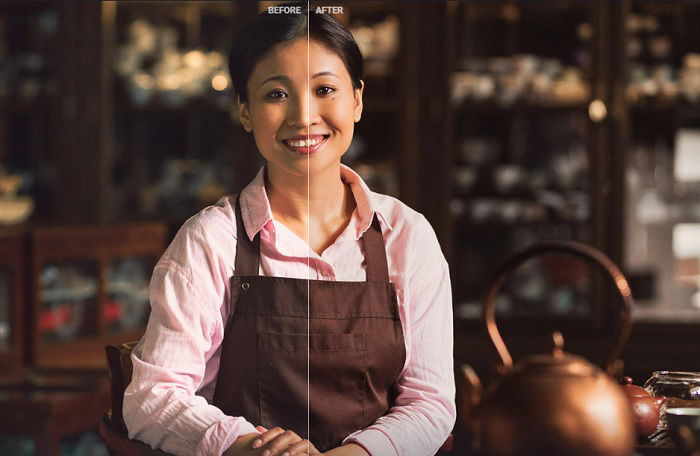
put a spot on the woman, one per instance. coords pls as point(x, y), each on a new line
point(307, 313)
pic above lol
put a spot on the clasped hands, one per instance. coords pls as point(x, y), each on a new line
point(278, 442)
point(272, 442)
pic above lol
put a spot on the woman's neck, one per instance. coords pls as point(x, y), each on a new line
point(307, 202)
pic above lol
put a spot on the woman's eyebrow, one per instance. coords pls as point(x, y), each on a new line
point(324, 73)
point(275, 77)
point(281, 77)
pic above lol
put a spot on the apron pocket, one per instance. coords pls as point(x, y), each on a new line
point(324, 371)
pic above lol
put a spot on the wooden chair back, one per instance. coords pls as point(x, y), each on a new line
point(112, 427)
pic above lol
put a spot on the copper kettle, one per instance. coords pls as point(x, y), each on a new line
point(551, 404)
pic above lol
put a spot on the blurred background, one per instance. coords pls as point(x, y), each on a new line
point(506, 123)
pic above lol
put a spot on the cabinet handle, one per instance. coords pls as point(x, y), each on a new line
point(597, 111)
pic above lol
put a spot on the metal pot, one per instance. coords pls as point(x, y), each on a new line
point(556, 403)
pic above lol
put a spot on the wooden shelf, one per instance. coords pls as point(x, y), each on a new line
point(521, 106)
point(156, 107)
point(654, 107)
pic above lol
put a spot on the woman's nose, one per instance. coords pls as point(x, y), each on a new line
point(303, 111)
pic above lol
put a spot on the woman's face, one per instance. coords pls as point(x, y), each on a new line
point(301, 91)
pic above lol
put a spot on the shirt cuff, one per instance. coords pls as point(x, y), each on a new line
point(222, 434)
point(375, 442)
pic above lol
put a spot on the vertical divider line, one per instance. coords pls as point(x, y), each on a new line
point(308, 227)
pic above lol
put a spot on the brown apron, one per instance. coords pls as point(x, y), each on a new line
point(321, 358)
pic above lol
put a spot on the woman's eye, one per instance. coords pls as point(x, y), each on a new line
point(276, 94)
point(325, 90)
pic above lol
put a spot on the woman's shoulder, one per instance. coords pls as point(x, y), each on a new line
point(199, 261)
point(402, 218)
point(209, 233)
point(214, 220)
point(221, 213)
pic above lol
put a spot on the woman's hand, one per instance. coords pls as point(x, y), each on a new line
point(242, 446)
point(278, 442)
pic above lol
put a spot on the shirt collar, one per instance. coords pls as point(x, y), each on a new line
point(367, 204)
point(256, 211)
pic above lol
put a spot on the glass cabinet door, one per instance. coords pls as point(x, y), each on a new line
point(68, 300)
point(126, 288)
point(17, 445)
point(30, 46)
point(376, 145)
point(662, 174)
point(519, 93)
point(177, 144)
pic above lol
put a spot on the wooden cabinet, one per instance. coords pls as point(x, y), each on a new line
point(53, 420)
point(90, 288)
point(65, 293)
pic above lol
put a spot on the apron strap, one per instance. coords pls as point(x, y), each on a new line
point(247, 251)
point(375, 253)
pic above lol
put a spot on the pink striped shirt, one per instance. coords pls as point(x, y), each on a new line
point(167, 403)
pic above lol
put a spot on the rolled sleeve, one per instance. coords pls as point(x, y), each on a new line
point(161, 404)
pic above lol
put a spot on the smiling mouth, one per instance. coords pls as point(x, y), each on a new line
point(306, 146)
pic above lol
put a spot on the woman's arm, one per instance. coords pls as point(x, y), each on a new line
point(185, 329)
point(350, 449)
point(424, 413)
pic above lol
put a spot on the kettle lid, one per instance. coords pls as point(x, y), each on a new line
point(557, 363)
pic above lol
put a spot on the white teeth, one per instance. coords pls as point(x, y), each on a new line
point(304, 142)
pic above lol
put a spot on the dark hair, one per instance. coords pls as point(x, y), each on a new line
point(268, 30)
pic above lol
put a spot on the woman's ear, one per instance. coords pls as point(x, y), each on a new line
point(244, 115)
point(357, 114)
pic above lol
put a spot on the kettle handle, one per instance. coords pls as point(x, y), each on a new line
point(595, 256)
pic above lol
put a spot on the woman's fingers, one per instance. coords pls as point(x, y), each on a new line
point(303, 447)
point(267, 436)
point(280, 444)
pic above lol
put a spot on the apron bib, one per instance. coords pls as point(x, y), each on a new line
point(318, 357)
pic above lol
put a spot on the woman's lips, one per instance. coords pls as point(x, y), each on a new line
point(307, 150)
